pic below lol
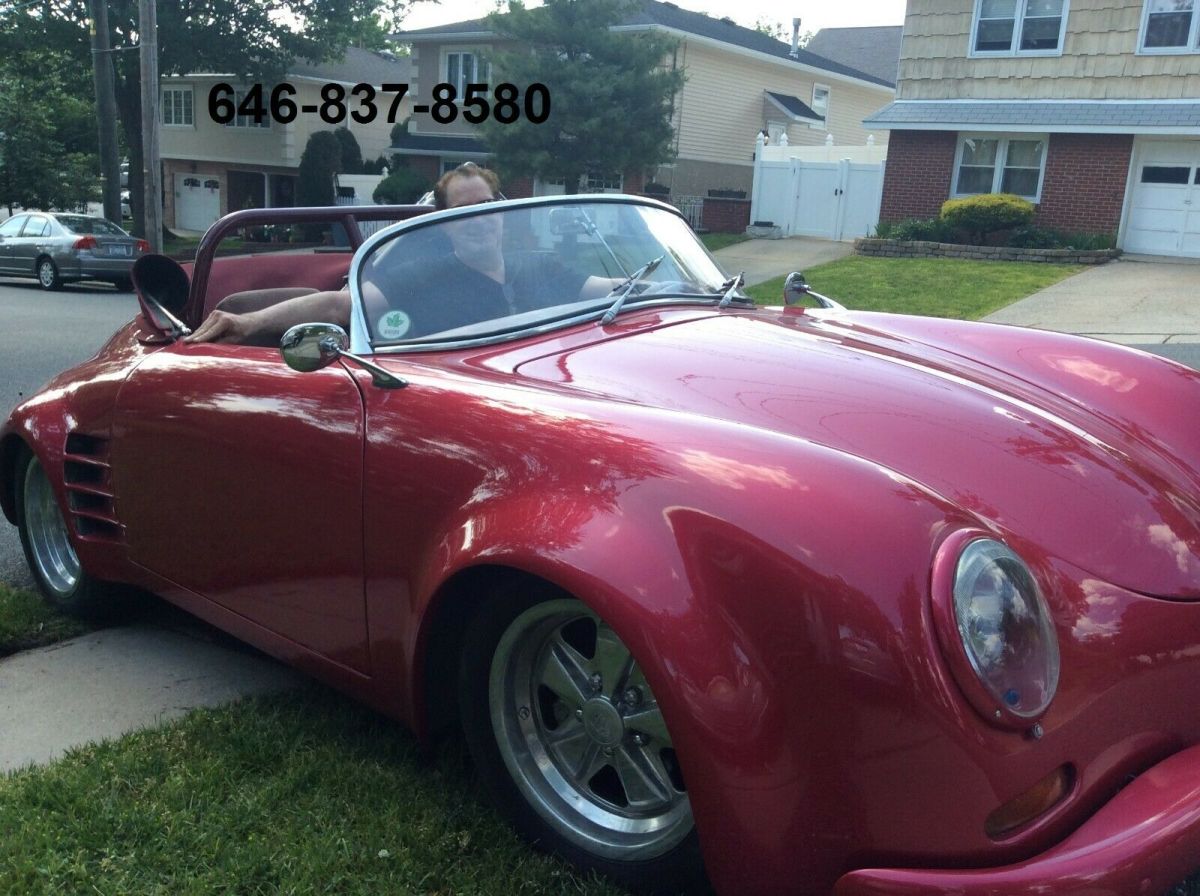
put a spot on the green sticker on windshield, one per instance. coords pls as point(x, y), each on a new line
point(394, 325)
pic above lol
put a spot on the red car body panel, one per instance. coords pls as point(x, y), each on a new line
point(755, 501)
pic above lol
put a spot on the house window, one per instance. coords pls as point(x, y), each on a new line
point(994, 164)
point(463, 68)
point(177, 106)
point(1171, 26)
point(1019, 27)
point(820, 101)
point(603, 183)
point(247, 121)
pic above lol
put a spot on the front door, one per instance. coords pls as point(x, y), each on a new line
point(241, 481)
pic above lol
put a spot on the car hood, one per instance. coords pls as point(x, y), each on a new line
point(1087, 486)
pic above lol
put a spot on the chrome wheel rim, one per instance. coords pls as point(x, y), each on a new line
point(582, 734)
point(49, 544)
point(46, 273)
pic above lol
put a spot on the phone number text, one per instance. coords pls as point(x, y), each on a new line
point(364, 103)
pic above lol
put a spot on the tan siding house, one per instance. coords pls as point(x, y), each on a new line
point(211, 169)
point(738, 83)
point(1090, 108)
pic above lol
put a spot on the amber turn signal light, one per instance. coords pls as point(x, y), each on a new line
point(1031, 804)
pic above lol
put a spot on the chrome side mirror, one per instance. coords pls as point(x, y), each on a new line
point(309, 347)
point(795, 289)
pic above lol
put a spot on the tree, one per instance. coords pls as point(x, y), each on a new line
point(255, 40)
point(47, 133)
point(352, 160)
point(320, 161)
point(610, 92)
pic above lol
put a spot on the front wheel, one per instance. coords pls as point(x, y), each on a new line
point(48, 550)
point(572, 745)
point(47, 274)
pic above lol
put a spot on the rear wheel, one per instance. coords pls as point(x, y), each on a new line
point(48, 550)
point(123, 285)
point(47, 274)
point(572, 745)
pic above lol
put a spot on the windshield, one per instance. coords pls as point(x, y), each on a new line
point(502, 269)
point(82, 224)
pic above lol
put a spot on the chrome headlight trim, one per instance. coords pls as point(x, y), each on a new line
point(995, 629)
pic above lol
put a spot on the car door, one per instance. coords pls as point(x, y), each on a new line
point(10, 230)
point(241, 480)
point(26, 247)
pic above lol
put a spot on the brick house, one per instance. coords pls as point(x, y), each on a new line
point(738, 82)
point(1089, 108)
point(211, 169)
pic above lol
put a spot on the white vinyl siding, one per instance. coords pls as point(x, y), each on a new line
point(1170, 26)
point(177, 107)
point(987, 163)
point(716, 123)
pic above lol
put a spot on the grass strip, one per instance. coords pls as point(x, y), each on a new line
point(959, 288)
point(27, 621)
point(305, 792)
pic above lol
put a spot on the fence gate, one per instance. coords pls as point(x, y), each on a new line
point(830, 200)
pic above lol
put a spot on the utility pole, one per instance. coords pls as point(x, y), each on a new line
point(106, 110)
point(153, 209)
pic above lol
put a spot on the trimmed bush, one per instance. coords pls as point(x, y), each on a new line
point(401, 187)
point(986, 213)
point(934, 230)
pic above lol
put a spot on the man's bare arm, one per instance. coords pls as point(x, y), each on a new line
point(332, 307)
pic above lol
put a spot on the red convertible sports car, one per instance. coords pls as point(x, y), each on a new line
point(778, 599)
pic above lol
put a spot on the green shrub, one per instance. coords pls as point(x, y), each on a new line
point(1031, 237)
point(933, 230)
point(985, 214)
point(402, 186)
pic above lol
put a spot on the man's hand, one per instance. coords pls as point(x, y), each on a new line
point(221, 326)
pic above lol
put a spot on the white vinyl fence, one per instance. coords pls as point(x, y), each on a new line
point(829, 192)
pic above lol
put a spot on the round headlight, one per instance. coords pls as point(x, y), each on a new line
point(1005, 628)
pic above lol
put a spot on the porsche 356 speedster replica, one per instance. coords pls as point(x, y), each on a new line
point(783, 599)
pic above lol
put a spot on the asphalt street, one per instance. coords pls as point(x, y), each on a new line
point(41, 334)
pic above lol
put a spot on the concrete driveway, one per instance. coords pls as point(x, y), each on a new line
point(1135, 300)
point(764, 259)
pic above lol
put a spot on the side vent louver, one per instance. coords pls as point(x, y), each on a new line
point(88, 480)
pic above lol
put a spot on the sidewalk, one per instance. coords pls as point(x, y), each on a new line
point(108, 683)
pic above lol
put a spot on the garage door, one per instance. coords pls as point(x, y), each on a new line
point(197, 201)
point(1164, 211)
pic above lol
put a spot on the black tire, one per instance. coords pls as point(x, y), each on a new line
point(48, 550)
point(47, 274)
point(636, 824)
point(123, 285)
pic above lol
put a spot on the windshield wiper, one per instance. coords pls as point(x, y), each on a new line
point(728, 288)
point(623, 290)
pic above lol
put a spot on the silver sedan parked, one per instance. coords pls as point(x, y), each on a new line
point(58, 248)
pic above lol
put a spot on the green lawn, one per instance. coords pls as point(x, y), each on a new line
point(940, 287)
point(715, 241)
point(26, 621)
point(301, 793)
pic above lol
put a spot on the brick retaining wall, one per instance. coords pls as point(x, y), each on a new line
point(923, 249)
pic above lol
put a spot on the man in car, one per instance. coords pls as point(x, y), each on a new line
point(468, 184)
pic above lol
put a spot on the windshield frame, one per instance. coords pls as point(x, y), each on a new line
point(360, 340)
